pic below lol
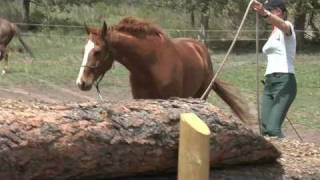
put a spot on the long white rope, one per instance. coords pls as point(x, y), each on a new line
point(205, 94)
point(257, 75)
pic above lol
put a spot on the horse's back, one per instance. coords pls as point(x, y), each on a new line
point(195, 50)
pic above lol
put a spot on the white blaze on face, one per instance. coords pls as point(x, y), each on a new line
point(87, 49)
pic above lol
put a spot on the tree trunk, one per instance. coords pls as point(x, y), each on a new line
point(204, 20)
point(192, 18)
point(26, 11)
point(190, 7)
point(299, 23)
point(114, 139)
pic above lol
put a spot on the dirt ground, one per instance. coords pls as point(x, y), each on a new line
point(59, 95)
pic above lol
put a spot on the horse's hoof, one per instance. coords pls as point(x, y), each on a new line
point(3, 72)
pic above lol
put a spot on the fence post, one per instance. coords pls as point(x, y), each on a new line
point(194, 148)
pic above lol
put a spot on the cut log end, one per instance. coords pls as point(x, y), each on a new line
point(195, 123)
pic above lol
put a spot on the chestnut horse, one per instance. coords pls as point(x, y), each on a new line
point(159, 67)
point(7, 31)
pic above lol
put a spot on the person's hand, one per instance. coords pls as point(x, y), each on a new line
point(258, 7)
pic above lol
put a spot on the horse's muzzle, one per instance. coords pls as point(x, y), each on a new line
point(83, 86)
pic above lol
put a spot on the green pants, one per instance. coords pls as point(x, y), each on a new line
point(279, 92)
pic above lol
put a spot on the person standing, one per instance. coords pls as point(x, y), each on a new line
point(280, 83)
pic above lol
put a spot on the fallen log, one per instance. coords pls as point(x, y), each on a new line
point(109, 139)
point(299, 161)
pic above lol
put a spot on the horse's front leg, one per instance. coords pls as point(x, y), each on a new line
point(6, 64)
point(141, 88)
point(142, 92)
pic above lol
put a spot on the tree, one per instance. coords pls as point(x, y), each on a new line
point(304, 12)
point(300, 19)
point(25, 10)
point(204, 19)
point(190, 8)
point(312, 20)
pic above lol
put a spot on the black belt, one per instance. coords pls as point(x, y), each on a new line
point(278, 74)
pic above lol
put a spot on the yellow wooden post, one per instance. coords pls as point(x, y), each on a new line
point(194, 148)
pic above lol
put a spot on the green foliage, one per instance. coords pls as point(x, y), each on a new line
point(223, 14)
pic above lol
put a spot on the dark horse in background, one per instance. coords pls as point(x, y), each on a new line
point(159, 67)
point(7, 31)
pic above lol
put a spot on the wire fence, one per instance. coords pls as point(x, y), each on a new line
point(167, 29)
point(212, 34)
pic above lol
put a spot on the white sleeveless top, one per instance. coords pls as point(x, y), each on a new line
point(281, 51)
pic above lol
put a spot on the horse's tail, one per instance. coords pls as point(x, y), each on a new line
point(25, 46)
point(229, 95)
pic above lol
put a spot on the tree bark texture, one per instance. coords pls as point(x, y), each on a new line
point(114, 139)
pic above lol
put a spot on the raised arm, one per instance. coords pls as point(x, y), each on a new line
point(272, 17)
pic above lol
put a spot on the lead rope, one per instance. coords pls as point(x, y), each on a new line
point(206, 93)
point(97, 87)
point(257, 75)
point(102, 75)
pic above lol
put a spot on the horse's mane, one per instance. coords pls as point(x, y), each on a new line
point(138, 27)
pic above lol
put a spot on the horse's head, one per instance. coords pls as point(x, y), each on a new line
point(97, 57)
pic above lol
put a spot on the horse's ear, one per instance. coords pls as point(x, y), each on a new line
point(87, 28)
point(104, 29)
